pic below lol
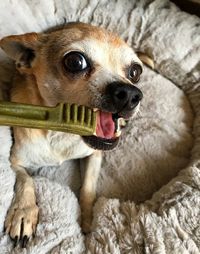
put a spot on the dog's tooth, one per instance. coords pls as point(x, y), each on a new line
point(117, 127)
point(117, 134)
point(122, 122)
point(95, 109)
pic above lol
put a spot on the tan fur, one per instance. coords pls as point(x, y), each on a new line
point(88, 190)
point(44, 82)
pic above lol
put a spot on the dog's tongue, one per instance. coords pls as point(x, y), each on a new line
point(105, 125)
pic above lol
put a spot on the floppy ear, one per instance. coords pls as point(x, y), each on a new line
point(21, 48)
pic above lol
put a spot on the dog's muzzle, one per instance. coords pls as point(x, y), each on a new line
point(122, 99)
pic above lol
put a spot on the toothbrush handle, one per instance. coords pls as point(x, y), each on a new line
point(64, 117)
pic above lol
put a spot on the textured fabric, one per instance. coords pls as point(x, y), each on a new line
point(160, 142)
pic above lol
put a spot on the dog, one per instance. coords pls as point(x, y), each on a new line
point(76, 63)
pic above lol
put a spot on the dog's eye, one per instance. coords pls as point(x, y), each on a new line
point(134, 72)
point(75, 62)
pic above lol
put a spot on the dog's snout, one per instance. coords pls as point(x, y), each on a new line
point(124, 96)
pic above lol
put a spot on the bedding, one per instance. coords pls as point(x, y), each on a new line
point(149, 188)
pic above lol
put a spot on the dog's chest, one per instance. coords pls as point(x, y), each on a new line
point(53, 149)
point(68, 146)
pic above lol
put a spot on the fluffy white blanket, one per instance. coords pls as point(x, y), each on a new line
point(161, 147)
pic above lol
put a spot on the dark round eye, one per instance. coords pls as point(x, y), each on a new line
point(134, 72)
point(75, 62)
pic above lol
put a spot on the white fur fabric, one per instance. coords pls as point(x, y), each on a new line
point(161, 142)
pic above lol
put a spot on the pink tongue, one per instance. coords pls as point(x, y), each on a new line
point(105, 125)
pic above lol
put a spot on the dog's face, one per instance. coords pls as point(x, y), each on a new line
point(85, 65)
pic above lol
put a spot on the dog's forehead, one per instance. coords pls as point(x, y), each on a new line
point(99, 45)
point(105, 51)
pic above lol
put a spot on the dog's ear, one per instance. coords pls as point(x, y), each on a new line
point(146, 59)
point(21, 48)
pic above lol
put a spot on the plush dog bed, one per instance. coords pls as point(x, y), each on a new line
point(149, 187)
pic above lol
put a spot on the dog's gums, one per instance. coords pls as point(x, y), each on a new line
point(107, 133)
point(108, 125)
point(105, 125)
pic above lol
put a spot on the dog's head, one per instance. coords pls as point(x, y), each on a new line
point(82, 64)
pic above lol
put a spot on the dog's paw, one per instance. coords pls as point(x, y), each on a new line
point(86, 220)
point(21, 222)
point(86, 225)
point(86, 203)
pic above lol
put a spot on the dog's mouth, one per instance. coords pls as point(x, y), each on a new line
point(108, 131)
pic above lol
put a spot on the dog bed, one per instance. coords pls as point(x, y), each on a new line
point(149, 187)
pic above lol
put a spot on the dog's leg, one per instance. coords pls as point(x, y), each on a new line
point(88, 190)
point(22, 216)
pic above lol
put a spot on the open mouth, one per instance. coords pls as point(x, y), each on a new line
point(108, 131)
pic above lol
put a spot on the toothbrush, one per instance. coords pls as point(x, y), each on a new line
point(64, 117)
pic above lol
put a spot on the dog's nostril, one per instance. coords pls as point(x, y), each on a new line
point(121, 95)
point(135, 99)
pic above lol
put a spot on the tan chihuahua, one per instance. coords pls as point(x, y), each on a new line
point(77, 63)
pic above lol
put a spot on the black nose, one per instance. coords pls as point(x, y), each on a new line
point(124, 96)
